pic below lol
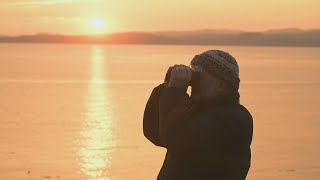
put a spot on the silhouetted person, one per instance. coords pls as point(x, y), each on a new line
point(207, 135)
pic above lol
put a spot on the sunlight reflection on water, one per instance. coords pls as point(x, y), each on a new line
point(96, 135)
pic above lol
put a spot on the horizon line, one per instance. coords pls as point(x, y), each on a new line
point(167, 30)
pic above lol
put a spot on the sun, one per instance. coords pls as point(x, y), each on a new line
point(97, 25)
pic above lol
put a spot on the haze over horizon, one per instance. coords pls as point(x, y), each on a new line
point(168, 31)
point(278, 37)
point(80, 17)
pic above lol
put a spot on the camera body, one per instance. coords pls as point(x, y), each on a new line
point(195, 77)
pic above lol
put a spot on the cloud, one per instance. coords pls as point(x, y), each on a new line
point(37, 3)
point(63, 19)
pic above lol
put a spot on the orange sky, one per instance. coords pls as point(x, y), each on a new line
point(75, 16)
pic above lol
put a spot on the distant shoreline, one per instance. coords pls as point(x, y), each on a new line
point(282, 38)
point(153, 44)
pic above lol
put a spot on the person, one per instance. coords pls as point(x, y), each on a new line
point(208, 134)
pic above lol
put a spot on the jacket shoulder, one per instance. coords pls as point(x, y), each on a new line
point(234, 109)
point(232, 116)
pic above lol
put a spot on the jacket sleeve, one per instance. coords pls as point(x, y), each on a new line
point(151, 116)
point(181, 133)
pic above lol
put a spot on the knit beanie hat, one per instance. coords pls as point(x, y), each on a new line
point(221, 64)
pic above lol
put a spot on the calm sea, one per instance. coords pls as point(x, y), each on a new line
point(75, 111)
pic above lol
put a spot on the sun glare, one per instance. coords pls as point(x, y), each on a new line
point(97, 25)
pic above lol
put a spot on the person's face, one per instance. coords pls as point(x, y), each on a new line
point(206, 85)
point(197, 86)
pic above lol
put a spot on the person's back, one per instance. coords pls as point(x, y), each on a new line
point(226, 157)
point(205, 139)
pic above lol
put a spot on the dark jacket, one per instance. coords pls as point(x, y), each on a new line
point(207, 140)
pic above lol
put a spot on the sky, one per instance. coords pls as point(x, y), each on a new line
point(108, 16)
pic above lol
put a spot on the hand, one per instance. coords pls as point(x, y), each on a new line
point(180, 76)
point(167, 77)
point(168, 74)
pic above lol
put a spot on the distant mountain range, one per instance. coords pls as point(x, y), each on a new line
point(280, 37)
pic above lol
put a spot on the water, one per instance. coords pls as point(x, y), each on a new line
point(75, 111)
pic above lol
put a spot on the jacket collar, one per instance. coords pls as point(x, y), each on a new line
point(230, 98)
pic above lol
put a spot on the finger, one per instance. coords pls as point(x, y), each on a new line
point(170, 68)
point(173, 74)
point(168, 71)
point(189, 70)
point(176, 65)
point(179, 65)
point(181, 73)
point(186, 73)
point(177, 72)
